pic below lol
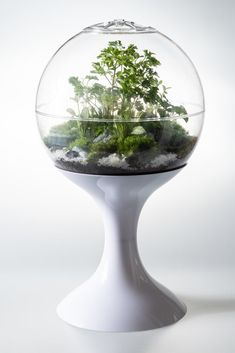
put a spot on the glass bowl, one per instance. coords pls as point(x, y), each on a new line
point(117, 99)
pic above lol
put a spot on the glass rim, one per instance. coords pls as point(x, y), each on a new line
point(121, 120)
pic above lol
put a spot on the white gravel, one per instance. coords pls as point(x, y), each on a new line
point(114, 160)
point(61, 154)
point(163, 160)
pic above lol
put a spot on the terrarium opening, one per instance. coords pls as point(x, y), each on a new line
point(119, 26)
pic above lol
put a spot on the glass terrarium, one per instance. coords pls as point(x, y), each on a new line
point(120, 109)
point(120, 98)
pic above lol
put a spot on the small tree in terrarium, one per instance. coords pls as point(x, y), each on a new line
point(121, 118)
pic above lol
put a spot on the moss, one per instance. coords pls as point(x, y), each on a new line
point(187, 147)
point(141, 158)
point(109, 146)
point(94, 156)
point(102, 148)
point(82, 142)
point(165, 128)
point(135, 143)
point(168, 135)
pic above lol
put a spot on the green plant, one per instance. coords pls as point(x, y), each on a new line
point(112, 105)
point(130, 88)
point(135, 143)
point(82, 142)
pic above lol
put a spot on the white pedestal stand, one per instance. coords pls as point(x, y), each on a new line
point(121, 296)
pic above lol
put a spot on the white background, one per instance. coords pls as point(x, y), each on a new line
point(51, 233)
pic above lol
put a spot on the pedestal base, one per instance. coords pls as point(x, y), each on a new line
point(116, 307)
point(121, 296)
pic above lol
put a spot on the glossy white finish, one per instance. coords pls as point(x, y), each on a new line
point(120, 295)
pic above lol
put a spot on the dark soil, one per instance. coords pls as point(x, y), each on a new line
point(93, 168)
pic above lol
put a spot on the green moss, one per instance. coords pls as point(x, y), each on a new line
point(94, 155)
point(187, 147)
point(109, 146)
point(82, 142)
point(135, 143)
point(173, 136)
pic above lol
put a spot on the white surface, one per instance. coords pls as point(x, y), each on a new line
point(47, 226)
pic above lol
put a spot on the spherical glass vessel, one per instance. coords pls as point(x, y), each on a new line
point(120, 98)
